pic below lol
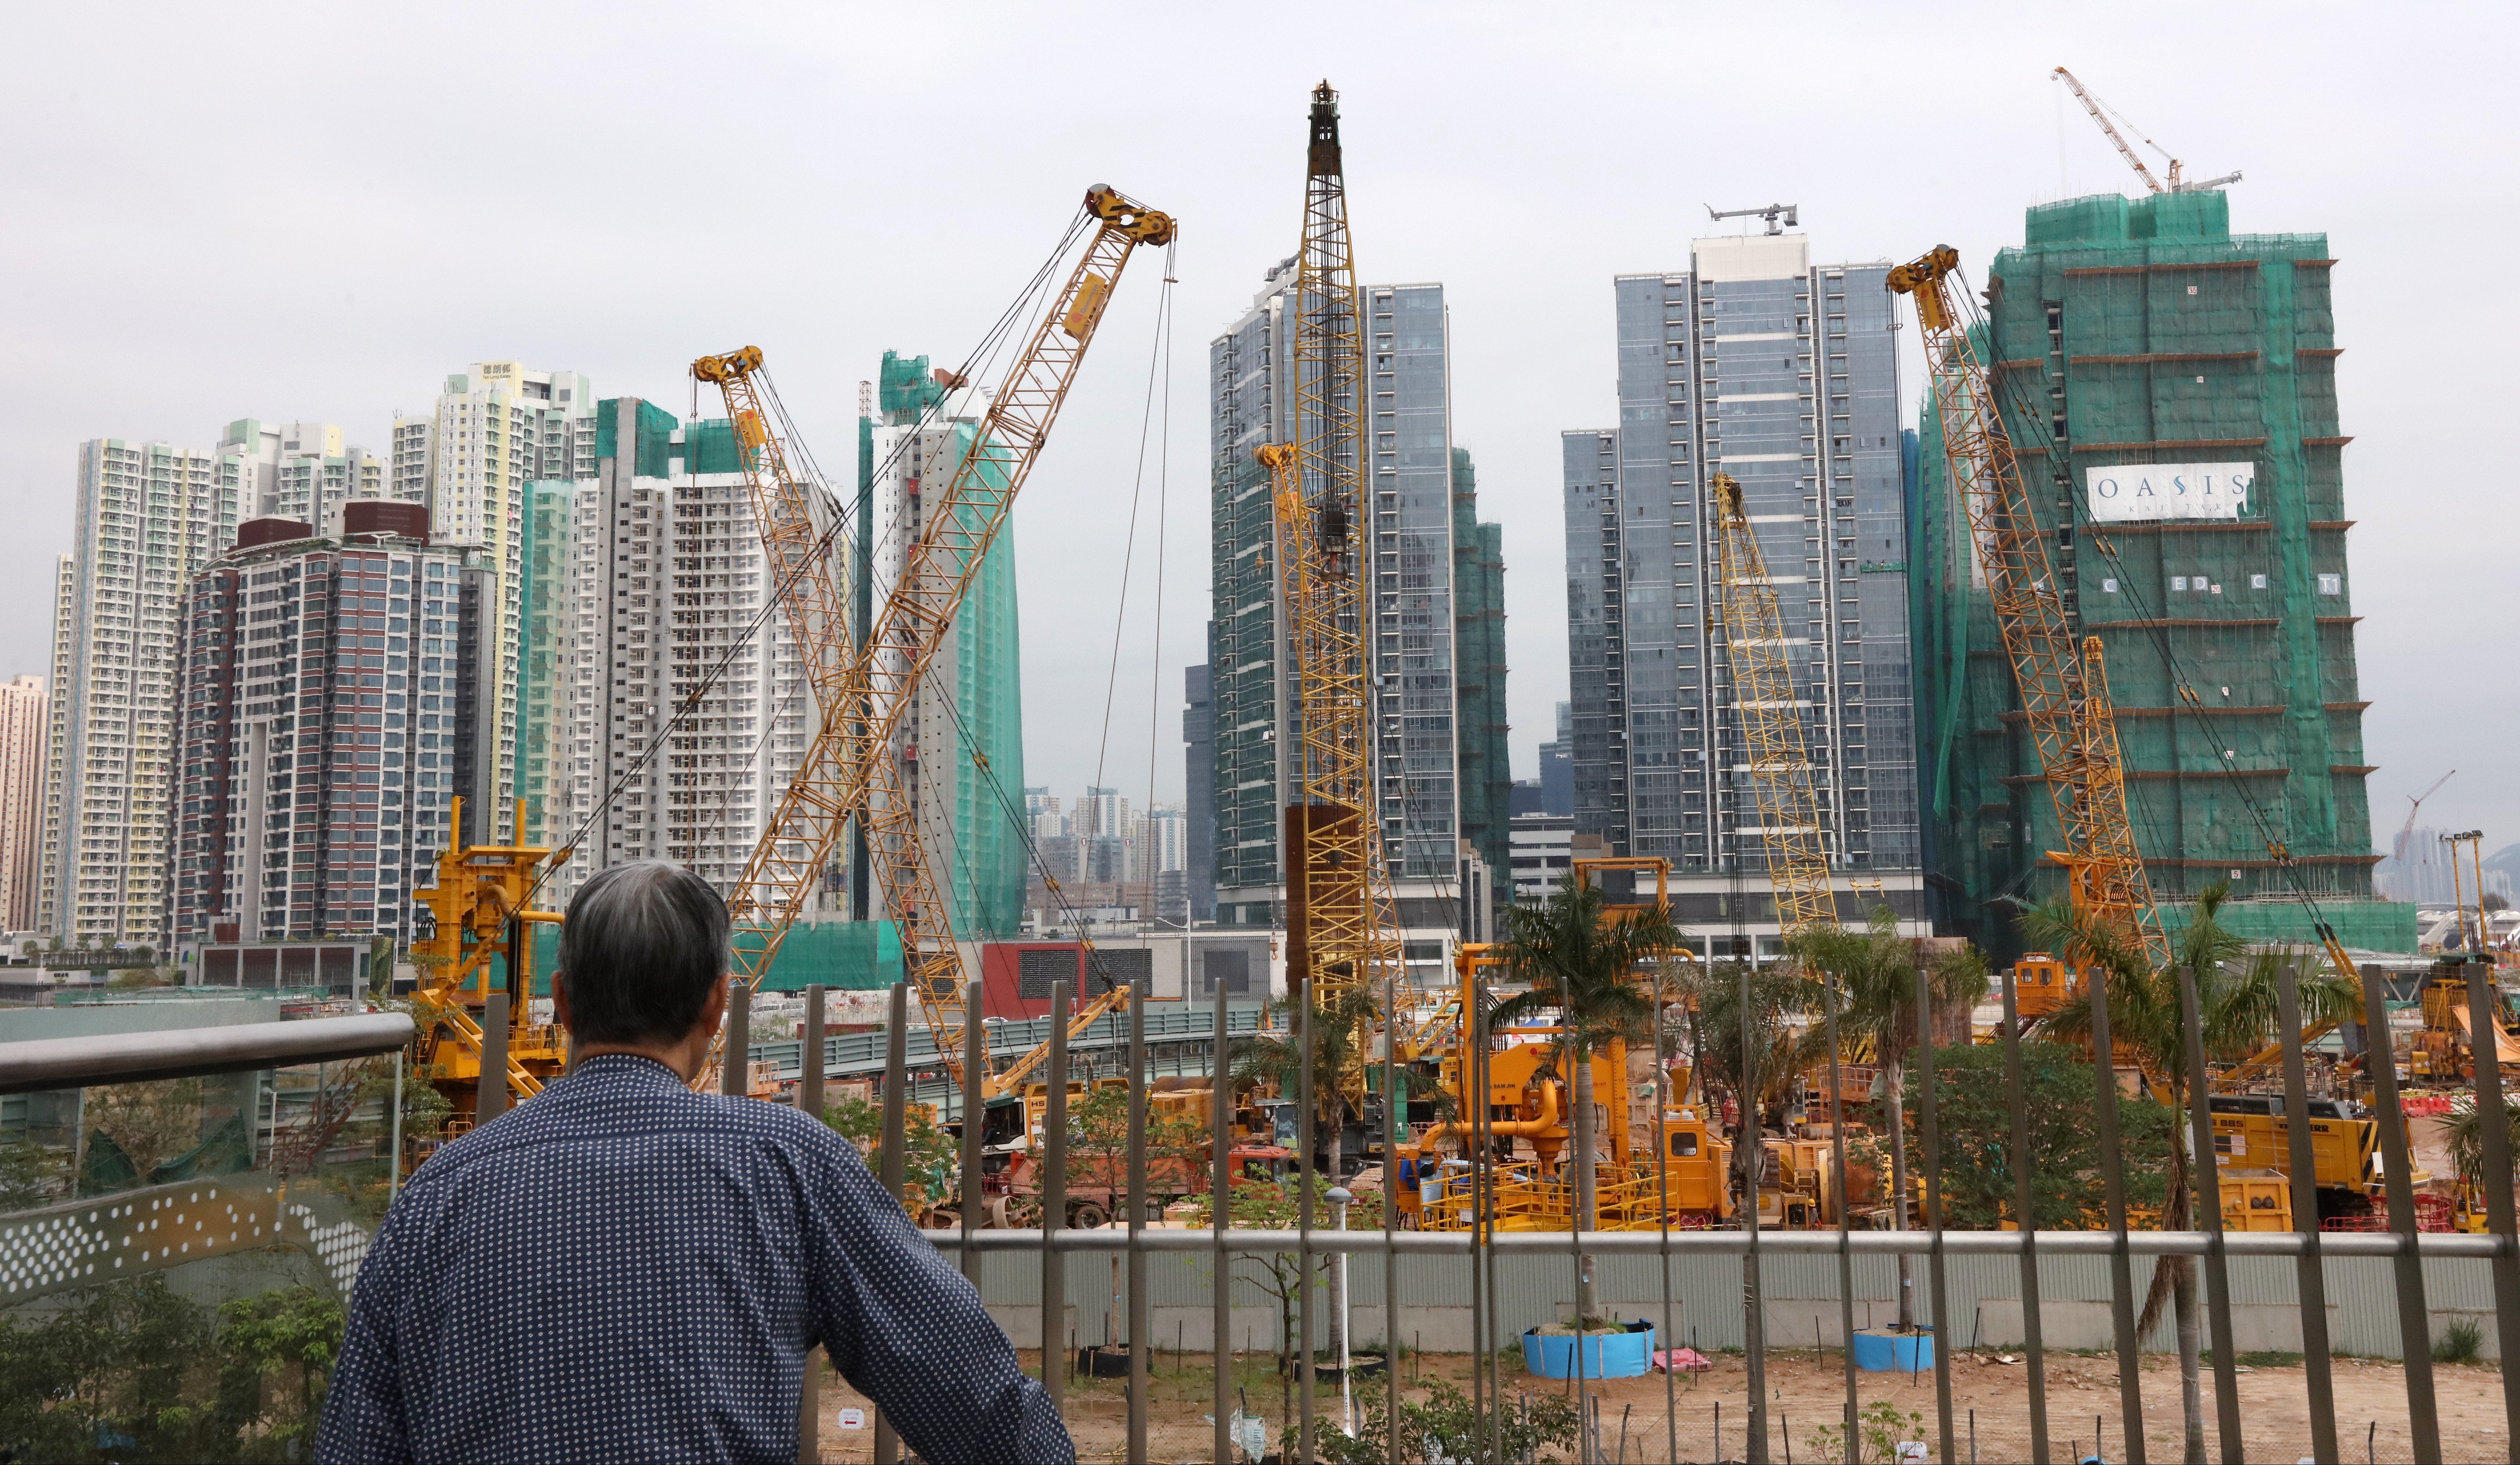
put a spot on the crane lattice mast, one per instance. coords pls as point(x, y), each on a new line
point(1340, 925)
point(1777, 756)
point(2063, 687)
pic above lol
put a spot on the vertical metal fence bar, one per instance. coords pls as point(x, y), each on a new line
point(393, 1171)
point(1474, 1079)
point(1220, 1209)
point(1304, 1187)
point(1485, 1224)
point(1575, 1235)
point(1754, 1303)
point(735, 1073)
point(2104, 1074)
point(490, 1097)
point(809, 1099)
point(2485, 1024)
point(1054, 1203)
point(2208, 1188)
point(1845, 1224)
point(975, 1119)
point(896, 1097)
point(1139, 1315)
point(1933, 1156)
point(2027, 1220)
point(2316, 1365)
point(1662, 1187)
point(2414, 1322)
point(1395, 1123)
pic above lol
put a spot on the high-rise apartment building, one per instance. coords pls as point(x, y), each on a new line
point(2143, 355)
point(960, 744)
point(1419, 490)
point(22, 725)
point(148, 515)
point(1557, 767)
point(1199, 774)
point(496, 429)
point(328, 711)
point(299, 471)
point(678, 711)
point(1754, 363)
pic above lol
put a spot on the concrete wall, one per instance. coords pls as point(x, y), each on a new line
point(1800, 1295)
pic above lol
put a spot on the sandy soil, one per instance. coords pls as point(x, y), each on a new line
point(1807, 1392)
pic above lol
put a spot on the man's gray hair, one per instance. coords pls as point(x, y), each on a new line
point(642, 946)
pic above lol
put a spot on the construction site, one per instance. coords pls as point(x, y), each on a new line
point(2168, 1133)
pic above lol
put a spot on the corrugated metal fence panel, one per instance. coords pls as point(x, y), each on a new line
point(1708, 1291)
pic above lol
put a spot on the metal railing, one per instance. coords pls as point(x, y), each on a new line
point(1483, 1246)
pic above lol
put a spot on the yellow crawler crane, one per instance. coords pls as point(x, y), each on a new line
point(2063, 686)
point(479, 904)
point(1341, 924)
point(851, 769)
point(1777, 759)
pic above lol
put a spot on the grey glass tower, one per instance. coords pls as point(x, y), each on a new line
point(1753, 363)
point(1411, 492)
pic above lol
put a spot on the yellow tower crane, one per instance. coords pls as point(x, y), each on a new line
point(1342, 927)
point(2062, 683)
point(852, 769)
point(1776, 755)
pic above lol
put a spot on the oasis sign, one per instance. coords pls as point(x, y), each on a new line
point(2169, 491)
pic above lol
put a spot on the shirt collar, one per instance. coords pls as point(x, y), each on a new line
point(629, 1070)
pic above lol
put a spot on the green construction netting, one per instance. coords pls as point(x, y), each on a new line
point(905, 388)
point(543, 602)
point(1479, 676)
point(862, 956)
point(708, 447)
point(985, 869)
point(654, 433)
point(2158, 336)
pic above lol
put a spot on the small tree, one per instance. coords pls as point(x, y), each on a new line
point(1273, 1206)
point(1974, 1107)
point(152, 1123)
point(930, 1158)
point(1447, 1425)
point(282, 1337)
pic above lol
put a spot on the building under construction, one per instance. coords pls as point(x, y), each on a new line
point(2169, 389)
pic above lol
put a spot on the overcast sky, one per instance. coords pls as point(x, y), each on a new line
point(317, 212)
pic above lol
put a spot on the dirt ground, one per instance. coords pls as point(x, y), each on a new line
point(1807, 1392)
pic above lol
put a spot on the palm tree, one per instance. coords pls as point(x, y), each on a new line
point(1582, 968)
point(2238, 1002)
point(2464, 1135)
point(1874, 971)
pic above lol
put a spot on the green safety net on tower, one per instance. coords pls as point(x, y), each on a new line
point(2138, 333)
point(1479, 672)
point(542, 608)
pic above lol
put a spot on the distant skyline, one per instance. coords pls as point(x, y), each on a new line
point(287, 214)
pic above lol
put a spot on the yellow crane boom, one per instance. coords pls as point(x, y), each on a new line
point(850, 768)
point(1776, 757)
point(808, 578)
point(2062, 685)
point(1340, 927)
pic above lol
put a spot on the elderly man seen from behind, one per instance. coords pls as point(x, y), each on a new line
point(624, 1270)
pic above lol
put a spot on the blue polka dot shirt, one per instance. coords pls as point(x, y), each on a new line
point(622, 1269)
